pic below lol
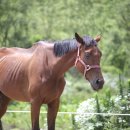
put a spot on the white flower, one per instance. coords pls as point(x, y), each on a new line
point(122, 108)
point(82, 118)
point(128, 94)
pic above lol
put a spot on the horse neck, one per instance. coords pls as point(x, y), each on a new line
point(57, 66)
point(64, 63)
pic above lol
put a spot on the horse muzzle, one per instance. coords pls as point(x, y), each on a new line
point(98, 84)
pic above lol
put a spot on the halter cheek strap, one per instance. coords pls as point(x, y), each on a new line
point(86, 67)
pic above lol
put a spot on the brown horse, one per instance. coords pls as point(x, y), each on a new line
point(36, 75)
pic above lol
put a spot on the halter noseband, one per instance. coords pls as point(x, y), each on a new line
point(87, 67)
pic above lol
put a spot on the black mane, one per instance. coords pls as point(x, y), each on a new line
point(65, 46)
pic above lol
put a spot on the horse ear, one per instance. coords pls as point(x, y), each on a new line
point(97, 38)
point(79, 39)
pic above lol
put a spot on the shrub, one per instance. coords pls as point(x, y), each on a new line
point(118, 104)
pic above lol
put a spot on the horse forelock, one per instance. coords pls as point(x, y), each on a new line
point(65, 46)
point(89, 41)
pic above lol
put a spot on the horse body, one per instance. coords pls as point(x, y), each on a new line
point(19, 71)
point(36, 75)
point(13, 75)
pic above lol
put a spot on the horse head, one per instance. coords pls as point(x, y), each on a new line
point(88, 60)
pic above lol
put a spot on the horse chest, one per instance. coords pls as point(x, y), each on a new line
point(52, 90)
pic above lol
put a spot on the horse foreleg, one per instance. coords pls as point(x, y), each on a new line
point(35, 111)
point(4, 101)
point(52, 113)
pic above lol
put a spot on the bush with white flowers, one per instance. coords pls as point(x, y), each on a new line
point(119, 104)
point(86, 121)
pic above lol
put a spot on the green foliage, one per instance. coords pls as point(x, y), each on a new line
point(105, 104)
point(23, 22)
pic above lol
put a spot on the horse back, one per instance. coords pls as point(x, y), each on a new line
point(8, 51)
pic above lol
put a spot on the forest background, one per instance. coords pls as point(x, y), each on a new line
point(24, 22)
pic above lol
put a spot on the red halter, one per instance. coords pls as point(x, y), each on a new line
point(87, 67)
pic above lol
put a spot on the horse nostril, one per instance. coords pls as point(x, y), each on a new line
point(97, 81)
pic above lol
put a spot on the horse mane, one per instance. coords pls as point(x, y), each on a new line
point(63, 47)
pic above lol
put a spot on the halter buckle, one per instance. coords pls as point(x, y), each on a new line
point(87, 67)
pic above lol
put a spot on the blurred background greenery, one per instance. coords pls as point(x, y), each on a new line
point(23, 22)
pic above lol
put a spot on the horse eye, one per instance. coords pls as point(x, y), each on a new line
point(87, 55)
